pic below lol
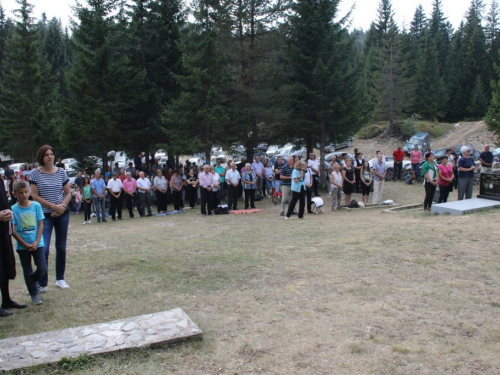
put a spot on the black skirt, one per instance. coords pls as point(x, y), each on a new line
point(7, 259)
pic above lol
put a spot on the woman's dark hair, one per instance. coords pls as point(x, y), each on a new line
point(41, 153)
point(86, 178)
point(445, 157)
point(427, 155)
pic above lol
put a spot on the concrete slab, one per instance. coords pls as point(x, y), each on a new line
point(137, 332)
point(464, 207)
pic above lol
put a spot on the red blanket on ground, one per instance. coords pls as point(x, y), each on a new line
point(249, 211)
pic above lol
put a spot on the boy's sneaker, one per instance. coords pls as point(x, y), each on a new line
point(42, 289)
point(89, 222)
point(84, 222)
point(36, 299)
point(62, 284)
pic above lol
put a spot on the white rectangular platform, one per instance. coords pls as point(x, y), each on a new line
point(464, 207)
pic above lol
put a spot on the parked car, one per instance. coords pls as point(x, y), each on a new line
point(496, 154)
point(70, 164)
point(163, 161)
point(16, 166)
point(328, 158)
point(283, 152)
point(122, 159)
point(160, 154)
point(474, 153)
point(440, 153)
point(302, 152)
point(422, 140)
point(72, 176)
point(389, 163)
point(336, 146)
point(271, 150)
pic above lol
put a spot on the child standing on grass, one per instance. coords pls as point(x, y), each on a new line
point(87, 200)
point(78, 200)
point(27, 230)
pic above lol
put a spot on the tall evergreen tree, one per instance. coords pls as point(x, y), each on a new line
point(324, 83)
point(492, 33)
point(439, 29)
point(391, 85)
point(199, 116)
point(252, 52)
point(429, 91)
point(416, 33)
point(54, 47)
point(27, 90)
point(153, 45)
point(492, 118)
point(101, 81)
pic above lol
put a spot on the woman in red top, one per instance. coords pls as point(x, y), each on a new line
point(445, 177)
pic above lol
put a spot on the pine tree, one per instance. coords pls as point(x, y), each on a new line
point(252, 52)
point(325, 97)
point(474, 53)
point(101, 81)
point(54, 47)
point(6, 29)
point(439, 29)
point(479, 100)
point(200, 116)
point(492, 118)
point(429, 92)
point(391, 86)
point(417, 28)
point(27, 90)
point(492, 33)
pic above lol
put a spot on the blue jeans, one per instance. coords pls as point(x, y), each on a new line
point(30, 277)
point(268, 186)
point(60, 226)
point(100, 207)
point(415, 167)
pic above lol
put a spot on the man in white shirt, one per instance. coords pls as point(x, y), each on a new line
point(313, 164)
point(233, 180)
point(144, 186)
point(115, 188)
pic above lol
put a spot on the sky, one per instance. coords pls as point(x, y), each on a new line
point(364, 13)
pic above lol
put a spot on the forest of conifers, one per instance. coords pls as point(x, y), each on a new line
point(186, 76)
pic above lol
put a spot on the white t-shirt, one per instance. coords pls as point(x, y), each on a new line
point(337, 178)
point(313, 164)
point(308, 177)
point(115, 185)
point(233, 176)
point(143, 183)
point(216, 181)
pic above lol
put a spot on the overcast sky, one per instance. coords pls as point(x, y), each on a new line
point(364, 13)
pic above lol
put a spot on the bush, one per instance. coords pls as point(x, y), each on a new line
point(371, 131)
point(410, 126)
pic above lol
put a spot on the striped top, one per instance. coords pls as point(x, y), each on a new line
point(287, 171)
point(50, 186)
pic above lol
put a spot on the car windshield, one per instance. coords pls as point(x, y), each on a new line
point(416, 141)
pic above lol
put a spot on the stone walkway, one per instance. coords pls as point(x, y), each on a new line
point(140, 331)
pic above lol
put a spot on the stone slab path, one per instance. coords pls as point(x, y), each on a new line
point(140, 331)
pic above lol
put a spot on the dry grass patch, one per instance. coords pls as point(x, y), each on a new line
point(347, 292)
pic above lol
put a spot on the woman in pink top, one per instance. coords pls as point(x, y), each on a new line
point(445, 177)
point(415, 157)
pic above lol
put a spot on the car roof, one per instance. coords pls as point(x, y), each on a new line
point(420, 135)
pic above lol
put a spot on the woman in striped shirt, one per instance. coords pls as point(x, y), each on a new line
point(50, 188)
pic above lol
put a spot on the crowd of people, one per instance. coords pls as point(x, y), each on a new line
point(41, 198)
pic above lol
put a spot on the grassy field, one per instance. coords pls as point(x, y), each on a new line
point(349, 292)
